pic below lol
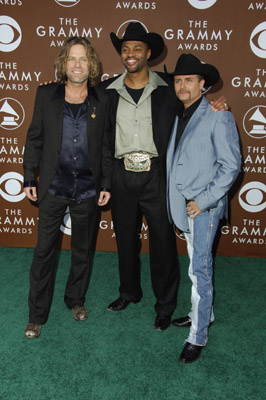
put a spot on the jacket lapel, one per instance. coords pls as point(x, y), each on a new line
point(58, 104)
point(156, 105)
point(92, 115)
point(114, 96)
point(192, 125)
point(93, 112)
point(171, 145)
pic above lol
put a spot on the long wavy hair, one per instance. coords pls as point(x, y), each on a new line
point(61, 60)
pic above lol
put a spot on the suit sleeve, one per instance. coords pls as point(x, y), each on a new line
point(107, 157)
point(34, 141)
point(226, 147)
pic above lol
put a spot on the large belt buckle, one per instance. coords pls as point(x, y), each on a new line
point(137, 162)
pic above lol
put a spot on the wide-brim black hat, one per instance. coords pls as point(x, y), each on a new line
point(187, 64)
point(136, 32)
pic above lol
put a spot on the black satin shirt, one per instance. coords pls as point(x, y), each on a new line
point(73, 178)
point(184, 115)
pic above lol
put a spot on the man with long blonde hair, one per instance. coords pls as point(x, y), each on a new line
point(68, 141)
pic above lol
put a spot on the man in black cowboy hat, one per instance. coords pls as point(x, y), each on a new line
point(138, 181)
point(141, 130)
point(203, 160)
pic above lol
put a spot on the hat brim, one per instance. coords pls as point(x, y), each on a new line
point(153, 40)
point(207, 71)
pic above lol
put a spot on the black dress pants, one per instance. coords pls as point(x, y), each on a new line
point(42, 274)
point(135, 194)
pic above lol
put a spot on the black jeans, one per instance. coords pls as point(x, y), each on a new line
point(84, 217)
point(134, 195)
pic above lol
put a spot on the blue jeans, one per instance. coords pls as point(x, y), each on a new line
point(202, 230)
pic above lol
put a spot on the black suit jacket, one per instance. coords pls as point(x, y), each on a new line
point(43, 143)
point(164, 104)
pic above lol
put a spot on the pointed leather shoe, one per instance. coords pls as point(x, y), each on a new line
point(79, 313)
point(184, 322)
point(32, 331)
point(162, 322)
point(190, 353)
point(120, 304)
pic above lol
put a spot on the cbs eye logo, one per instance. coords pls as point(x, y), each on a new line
point(11, 187)
point(66, 224)
point(10, 34)
point(252, 197)
point(202, 4)
point(180, 235)
point(67, 3)
point(258, 40)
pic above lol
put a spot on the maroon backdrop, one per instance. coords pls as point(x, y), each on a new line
point(229, 34)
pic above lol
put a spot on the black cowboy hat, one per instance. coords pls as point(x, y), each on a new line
point(187, 64)
point(136, 32)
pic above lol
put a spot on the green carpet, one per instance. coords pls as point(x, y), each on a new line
point(120, 356)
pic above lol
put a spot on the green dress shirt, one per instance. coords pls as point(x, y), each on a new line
point(134, 121)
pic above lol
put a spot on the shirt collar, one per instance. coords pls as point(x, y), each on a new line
point(187, 112)
point(60, 92)
point(154, 80)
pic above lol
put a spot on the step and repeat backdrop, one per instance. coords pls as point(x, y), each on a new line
point(229, 34)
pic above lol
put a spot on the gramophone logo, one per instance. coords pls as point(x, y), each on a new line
point(12, 113)
point(67, 3)
point(254, 122)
